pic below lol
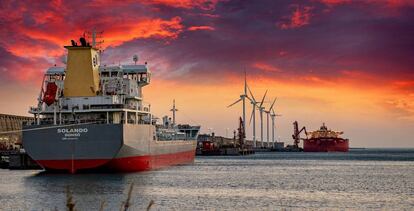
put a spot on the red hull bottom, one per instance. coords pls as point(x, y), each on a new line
point(126, 164)
point(326, 145)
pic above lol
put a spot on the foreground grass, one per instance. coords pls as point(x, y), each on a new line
point(125, 205)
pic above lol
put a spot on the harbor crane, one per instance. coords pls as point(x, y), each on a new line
point(296, 134)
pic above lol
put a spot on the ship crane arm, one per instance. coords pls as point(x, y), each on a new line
point(296, 133)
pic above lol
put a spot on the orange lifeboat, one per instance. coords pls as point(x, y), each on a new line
point(50, 94)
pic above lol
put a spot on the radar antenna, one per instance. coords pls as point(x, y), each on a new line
point(93, 38)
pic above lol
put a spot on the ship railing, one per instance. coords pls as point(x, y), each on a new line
point(171, 137)
point(70, 122)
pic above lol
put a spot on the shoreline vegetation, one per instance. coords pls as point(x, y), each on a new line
point(125, 205)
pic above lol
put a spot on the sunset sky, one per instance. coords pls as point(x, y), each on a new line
point(347, 63)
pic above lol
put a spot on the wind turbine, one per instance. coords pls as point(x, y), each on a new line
point(254, 105)
point(261, 109)
point(243, 99)
point(267, 120)
point(273, 115)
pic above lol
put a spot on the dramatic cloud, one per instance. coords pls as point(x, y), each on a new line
point(187, 4)
point(147, 28)
point(300, 17)
point(20, 69)
point(308, 40)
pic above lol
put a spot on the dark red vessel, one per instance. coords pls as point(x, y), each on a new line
point(324, 140)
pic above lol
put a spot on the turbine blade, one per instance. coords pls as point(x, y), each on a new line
point(234, 103)
point(251, 116)
point(251, 94)
point(264, 96)
point(271, 107)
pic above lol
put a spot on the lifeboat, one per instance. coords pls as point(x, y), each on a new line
point(50, 94)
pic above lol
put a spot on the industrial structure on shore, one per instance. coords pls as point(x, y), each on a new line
point(10, 130)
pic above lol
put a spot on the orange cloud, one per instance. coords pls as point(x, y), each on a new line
point(146, 28)
point(36, 50)
point(299, 17)
point(315, 80)
point(197, 28)
point(404, 84)
point(401, 106)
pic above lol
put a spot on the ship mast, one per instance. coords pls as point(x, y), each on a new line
point(173, 110)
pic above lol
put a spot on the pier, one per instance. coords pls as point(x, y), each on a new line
point(12, 156)
point(10, 130)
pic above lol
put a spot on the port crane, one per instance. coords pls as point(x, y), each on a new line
point(241, 133)
point(296, 134)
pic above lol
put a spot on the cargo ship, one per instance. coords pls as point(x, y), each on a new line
point(93, 117)
point(322, 140)
point(325, 140)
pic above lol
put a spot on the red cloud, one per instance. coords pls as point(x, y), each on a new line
point(187, 4)
point(44, 43)
point(196, 28)
point(299, 17)
point(265, 67)
point(335, 2)
point(21, 69)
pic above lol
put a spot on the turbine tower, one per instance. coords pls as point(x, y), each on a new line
point(243, 99)
point(261, 109)
point(267, 121)
point(273, 115)
point(253, 115)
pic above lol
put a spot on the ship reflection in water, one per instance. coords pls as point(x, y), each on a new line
point(358, 180)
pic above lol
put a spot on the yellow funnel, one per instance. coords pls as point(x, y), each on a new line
point(82, 74)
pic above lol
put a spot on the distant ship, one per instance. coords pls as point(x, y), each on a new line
point(324, 140)
point(92, 117)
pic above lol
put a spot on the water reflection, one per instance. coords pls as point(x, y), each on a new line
point(366, 179)
point(89, 190)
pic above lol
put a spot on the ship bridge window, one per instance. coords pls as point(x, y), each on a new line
point(131, 76)
point(105, 74)
point(114, 74)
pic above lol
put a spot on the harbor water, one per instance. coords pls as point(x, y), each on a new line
point(363, 179)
